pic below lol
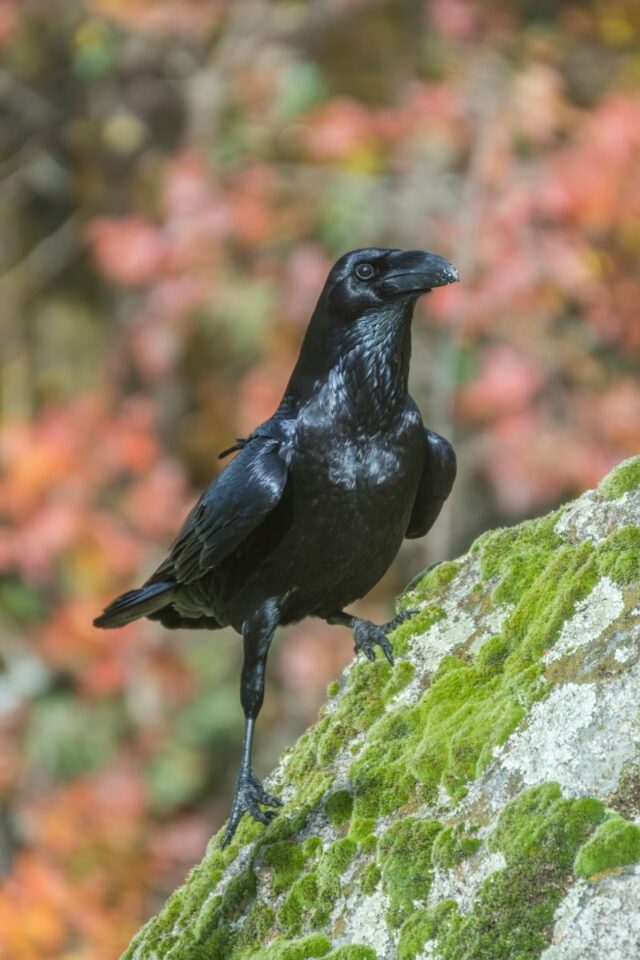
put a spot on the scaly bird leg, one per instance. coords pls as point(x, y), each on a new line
point(368, 635)
point(249, 791)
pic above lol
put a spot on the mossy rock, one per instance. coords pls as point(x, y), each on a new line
point(471, 802)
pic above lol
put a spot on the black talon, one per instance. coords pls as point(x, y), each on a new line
point(249, 794)
point(260, 815)
point(262, 796)
point(368, 635)
point(271, 801)
point(387, 650)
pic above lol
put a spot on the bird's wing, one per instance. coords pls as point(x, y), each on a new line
point(438, 474)
point(231, 507)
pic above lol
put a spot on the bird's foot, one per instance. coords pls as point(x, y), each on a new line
point(398, 619)
point(249, 794)
point(369, 635)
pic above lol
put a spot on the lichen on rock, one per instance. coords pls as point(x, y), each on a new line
point(478, 800)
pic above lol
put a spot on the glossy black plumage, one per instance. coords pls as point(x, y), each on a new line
point(313, 508)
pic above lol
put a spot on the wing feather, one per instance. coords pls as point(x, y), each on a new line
point(231, 507)
point(438, 474)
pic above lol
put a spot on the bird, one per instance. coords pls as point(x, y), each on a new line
point(315, 504)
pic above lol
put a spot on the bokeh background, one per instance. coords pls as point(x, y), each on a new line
point(176, 178)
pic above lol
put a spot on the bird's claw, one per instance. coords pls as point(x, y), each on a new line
point(249, 794)
point(369, 635)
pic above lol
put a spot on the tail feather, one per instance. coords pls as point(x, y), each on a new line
point(135, 604)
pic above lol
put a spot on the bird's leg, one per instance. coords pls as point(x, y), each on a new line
point(256, 638)
point(368, 635)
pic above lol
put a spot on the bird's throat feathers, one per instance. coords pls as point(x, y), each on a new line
point(364, 361)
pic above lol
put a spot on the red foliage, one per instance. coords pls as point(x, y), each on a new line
point(128, 251)
point(85, 885)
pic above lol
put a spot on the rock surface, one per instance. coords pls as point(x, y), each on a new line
point(478, 801)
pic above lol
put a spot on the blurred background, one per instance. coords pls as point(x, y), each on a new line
point(176, 178)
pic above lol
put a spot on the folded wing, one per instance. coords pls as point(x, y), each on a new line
point(438, 474)
point(237, 501)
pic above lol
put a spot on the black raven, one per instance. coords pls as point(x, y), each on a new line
point(310, 513)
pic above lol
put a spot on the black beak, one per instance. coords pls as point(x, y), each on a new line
point(416, 271)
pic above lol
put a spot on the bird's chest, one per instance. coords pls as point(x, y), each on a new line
point(359, 469)
point(352, 488)
point(366, 469)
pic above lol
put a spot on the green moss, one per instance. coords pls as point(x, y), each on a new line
point(453, 845)
point(216, 915)
point(541, 819)
point(330, 745)
point(315, 945)
point(338, 807)
point(292, 819)
point(333, 689)
point(361, 828)
point(402, 675)
point(414, 934)
point(626, 799)
point(312, 895)
point(473, 706)
point(220, 943)
point(615, 843)
point(286, 859)
point(380, 777)
point(619, 556)
point(492, 654)
point(360, 704)
point(187, 901)
point(369, 844)
point(336, 858)
point(353, 951)
point(422, 926)
point(257, 927)
point(306, 888)
point(403, 636)
point(238, 892)
point(300, 900)
point(570, 575)
point(539, 834)
point(517, 555)
point(429, 581)
point(460, 720)
point(511, 914)
point(311, 846)
point(404, 856)
point(447, 738)
point(623, 479)
point(332, 864)
point(543, 578)
point(370, 878)
point(548, 601)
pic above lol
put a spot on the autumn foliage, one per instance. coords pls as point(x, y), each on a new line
point(176, 180)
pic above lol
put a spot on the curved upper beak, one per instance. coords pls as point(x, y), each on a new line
point(416, 271)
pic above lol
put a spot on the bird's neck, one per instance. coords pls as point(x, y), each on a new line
point(369, 377)
point(369, 370)
point(374, 381)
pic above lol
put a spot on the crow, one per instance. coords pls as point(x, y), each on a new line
point(312, 510)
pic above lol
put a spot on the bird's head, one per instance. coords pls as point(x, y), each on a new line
point(376, 279)
point(366, 304)
point(369, 296)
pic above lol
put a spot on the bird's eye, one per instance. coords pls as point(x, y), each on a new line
point(364, 271)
